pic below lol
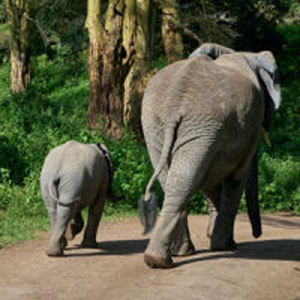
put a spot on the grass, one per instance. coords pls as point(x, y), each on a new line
point(15, 229)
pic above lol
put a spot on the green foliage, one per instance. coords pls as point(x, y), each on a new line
point(293, 15)
point(204, 19)
point(287, 130)
point(133, 169)
point(255, 22)
point(288, 58)
point(280, 165)
point(59, 28)
point(279, 183)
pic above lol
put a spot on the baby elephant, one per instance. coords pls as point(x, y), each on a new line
point(75, 176)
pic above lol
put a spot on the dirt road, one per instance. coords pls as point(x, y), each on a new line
point(267, 268)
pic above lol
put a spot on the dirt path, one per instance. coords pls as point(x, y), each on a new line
point(268, 268)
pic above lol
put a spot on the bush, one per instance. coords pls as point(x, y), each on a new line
point(288, 58)
point(279, 183)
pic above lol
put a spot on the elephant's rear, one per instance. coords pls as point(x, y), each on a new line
point(68, 171)
point(201, 97)
point(49, 177)
point(81, 171)
point(177, 96)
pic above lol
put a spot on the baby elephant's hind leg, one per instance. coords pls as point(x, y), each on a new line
point(94, 216)
point(75, 226)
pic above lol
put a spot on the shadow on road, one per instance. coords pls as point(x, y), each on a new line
point(120, 247)
point(287, 222)
point(288, 250)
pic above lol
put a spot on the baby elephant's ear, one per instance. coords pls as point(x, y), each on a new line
point(212, 50)
point(268, 72)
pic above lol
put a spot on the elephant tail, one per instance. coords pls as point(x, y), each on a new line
point(53, 189)
point(148, 203)
point(166, 150)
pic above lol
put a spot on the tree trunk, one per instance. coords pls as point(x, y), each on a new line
point(18, 18)
point(93, 24)
point(138, 27)
point(110, 70)
point(172, 40)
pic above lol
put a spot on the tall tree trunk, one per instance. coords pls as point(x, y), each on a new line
point(18, 18)
point(172, 39)
point(138, 27)
point(106, 99)
point(93, 24)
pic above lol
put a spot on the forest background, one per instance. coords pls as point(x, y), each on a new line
point(77, 70)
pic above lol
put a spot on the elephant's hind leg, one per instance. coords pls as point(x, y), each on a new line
point(213, 198)
point(188, 169)
point(58, 241)
point(182, 244)
point(75, 226)
point(94, 216)
point(222, 236)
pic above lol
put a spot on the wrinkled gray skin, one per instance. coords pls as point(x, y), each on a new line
point(202, 119)
point(75, 176)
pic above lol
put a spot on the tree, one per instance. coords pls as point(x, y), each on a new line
point(93, 24)
point(59, 26)
point(255, 22)
point(171, 38)
point(138, 32)
point(109, 65)
point(18, 12)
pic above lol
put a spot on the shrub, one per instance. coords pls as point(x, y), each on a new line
point(288, 58)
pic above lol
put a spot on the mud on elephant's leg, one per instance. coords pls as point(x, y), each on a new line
point(222, 236)
point(94, 216)
point(182, 244)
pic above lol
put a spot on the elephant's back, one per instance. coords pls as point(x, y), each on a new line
point(82, 170)
point(197, 88)
point(80, 158)
point(183, 87)
point(157, 91)
point(51, 162)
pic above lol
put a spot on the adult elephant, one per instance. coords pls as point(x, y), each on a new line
point(202, 118)
point(75, 176)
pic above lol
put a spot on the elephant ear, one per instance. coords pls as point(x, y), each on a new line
point(268, 73)
point(212, 50)
point(103, 149)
